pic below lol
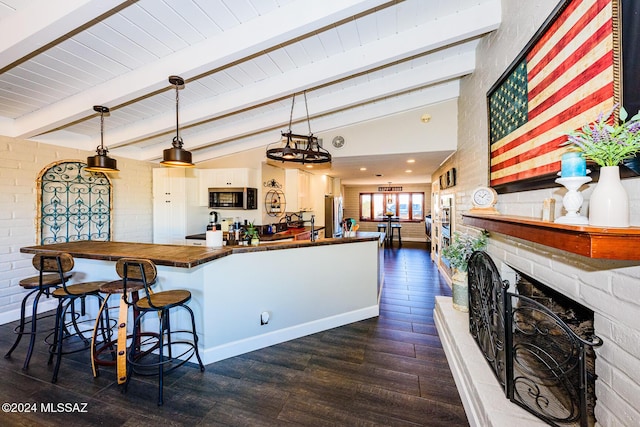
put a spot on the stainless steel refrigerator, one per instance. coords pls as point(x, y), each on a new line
point(333, 216)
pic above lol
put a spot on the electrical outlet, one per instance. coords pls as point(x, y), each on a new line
point(264, 318)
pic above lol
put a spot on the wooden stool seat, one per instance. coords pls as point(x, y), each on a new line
point(163, 300)
point(117, 287)
point(47, 280)
point(78, 289)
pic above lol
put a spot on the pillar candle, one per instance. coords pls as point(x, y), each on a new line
point(573, 164)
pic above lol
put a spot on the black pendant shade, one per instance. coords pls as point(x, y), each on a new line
point(177, 156)
point(299, 148)
point(101, 162)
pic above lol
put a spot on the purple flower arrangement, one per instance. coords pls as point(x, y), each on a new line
point(608, 141)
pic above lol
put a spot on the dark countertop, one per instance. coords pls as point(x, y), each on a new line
point(179, 255)
point(288, 234)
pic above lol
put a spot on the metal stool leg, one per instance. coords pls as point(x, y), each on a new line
point(20, 332)
point(161, 354)
point(94, 336)
point(32, 338)
point(57, 341)
point(195, 337)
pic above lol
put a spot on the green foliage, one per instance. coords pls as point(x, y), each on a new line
point(251, 231)
point(461, 248)
point(608, 141)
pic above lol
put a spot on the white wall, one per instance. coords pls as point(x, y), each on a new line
point(610, 288)
point(20, 164)
point(399, 133)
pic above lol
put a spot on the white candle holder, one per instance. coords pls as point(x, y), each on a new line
point(572, 201)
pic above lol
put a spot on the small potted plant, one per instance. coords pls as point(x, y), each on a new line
point(608, 141)
point(458, 254)
point(251, 234)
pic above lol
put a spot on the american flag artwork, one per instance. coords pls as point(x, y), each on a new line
point(563, 81)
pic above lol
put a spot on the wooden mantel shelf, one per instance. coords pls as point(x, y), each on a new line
point(592, 242)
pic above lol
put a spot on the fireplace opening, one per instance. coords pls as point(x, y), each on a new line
point(541, 346)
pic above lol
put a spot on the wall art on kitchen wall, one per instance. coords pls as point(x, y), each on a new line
point(73, 204)
point(568, 73)
point(447, 179)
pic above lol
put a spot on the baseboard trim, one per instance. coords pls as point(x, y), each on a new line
point(235, 348)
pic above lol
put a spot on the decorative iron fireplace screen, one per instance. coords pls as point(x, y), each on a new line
point(538, 358)
point(486, 311)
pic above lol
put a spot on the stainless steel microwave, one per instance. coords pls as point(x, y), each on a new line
point(233, 198)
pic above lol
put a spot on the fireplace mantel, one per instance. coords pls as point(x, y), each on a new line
point(591, 242)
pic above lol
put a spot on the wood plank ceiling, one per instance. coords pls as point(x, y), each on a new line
point(242, 61)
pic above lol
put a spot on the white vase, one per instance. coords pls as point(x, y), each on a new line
point(460, 291)
point(609, 202)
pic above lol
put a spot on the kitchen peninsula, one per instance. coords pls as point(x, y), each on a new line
point(305, 286)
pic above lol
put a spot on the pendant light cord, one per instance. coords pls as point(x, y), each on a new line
point(177, 141)
point(101, 150)
point(293, 102)
point(102, 131)
point(307, 108)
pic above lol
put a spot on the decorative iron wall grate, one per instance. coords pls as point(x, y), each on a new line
point(536, 356)
point(73, 204)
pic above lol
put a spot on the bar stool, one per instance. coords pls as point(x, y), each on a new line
point(51, 274)
point(397, 227)
point(160, 303)
point(67, 295)
point(117, 347)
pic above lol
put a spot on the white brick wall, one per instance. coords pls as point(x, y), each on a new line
point(610, 288)
point(20, 164)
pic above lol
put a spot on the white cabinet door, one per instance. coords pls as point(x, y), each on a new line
point(206, 178)
point(298, 190)
point(291, 189)
point(234, 177)
point(304, 191)
point(328, 185)
point(169, 205)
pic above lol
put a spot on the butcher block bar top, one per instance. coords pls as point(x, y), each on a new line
point(177, 255)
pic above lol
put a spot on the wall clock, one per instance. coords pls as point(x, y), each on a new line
point(483, 200)
point(338, 142)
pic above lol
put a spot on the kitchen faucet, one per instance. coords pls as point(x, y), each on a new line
point(313, 231)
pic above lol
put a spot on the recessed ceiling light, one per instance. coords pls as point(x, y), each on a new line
point(309, 166)
point(408, 171)
point(411, 161)
point(363, 169)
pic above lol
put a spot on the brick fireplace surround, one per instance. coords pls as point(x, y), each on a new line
point(610, 288)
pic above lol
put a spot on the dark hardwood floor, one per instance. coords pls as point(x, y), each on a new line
point(386, 371)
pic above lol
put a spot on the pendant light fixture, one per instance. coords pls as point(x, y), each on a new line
point(101, 162)
point(177, 156)
point(299, 148)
